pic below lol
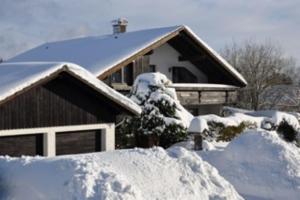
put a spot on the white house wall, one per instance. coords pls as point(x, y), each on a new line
point(166, 56)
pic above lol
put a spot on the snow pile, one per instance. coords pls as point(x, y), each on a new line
point(127, 174)
point(260, 165)
point(198, 125)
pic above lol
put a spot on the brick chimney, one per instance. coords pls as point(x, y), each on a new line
point(119, 25)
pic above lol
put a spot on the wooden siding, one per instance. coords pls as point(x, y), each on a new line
point(206, 62)
point(21, 145)
point(62, 101)
point(78, 142)
point(194, 98)
point(141, 65)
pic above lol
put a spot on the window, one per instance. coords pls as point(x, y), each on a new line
point(116, 77)
point(152, 68)
point(128, 74)
point(183, 75)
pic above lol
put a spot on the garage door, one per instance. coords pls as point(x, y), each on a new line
point(78, 142)
point(22, 145)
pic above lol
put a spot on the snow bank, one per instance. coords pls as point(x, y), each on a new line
point(260, 165)
point(127, 174)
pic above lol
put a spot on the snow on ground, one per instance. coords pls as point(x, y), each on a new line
point(125, 174)
point(260, 165)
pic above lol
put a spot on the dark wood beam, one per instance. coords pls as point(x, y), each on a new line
point(192, 58)
point(149, 53)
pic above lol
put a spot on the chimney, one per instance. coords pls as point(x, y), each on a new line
point(119, 25)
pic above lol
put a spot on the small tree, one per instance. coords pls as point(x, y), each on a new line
point(160, 119)
point(287, 131)
point(262, 64)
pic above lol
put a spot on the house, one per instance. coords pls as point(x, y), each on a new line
point(57, 108)
point(204, 81)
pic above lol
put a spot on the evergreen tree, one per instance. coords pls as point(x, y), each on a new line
point(161, 116)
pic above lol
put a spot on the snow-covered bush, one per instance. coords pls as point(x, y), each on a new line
point(236, 121)
point(286, 124)
point(216, 128)
point(162, 115)
point(228, 133)
point(287, 132)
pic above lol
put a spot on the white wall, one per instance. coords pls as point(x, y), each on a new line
point(166, 56)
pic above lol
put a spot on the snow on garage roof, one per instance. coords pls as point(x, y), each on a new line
point(16, 77)
point(99, 54)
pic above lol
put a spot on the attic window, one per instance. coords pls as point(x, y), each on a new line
point(116, 77)
point(183, 75)
point(152, 68)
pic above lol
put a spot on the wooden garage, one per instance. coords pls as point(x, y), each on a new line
point(78, 142)
point(57, 109)
point(22, 145)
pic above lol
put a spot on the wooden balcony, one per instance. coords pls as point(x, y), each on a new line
point(204, 94)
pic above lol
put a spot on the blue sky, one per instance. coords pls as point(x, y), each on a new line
point(27, 23)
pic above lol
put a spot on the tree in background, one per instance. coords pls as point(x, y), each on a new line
point(263, 65)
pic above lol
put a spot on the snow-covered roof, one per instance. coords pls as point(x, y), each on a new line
point(203, 86)
point(98, 54)
point(15, 77)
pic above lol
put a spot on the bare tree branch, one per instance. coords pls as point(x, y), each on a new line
point(263, 65)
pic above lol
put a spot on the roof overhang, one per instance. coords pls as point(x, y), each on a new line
point(215, 57)
point(72, 69)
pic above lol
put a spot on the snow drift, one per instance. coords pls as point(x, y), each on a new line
point(260, 165)
point(125, 174)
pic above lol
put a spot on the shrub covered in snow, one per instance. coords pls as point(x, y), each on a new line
point(162, 115)
point(237, 120)
point(287, 131)
point(213, 127)
point(229, 132)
